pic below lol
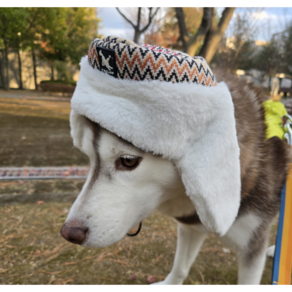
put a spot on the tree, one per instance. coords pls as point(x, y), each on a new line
point(12, 23)
point(191, 43)
point(141, 13)
point(236, 49)
point(269, 60)
point(58, 34)
point(244, 31)
point(41, 23)
point(288, 50)
point(22, 28)
point(227, 57)
point(68, 39)
point(209, 33)
point(166, 32)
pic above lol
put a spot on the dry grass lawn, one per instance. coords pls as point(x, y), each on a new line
point(33, 252)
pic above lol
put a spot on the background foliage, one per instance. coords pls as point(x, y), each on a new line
point(55, 34)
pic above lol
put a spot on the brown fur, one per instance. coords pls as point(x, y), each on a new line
point(264, 166)
point(264, 163)
point(96, 130)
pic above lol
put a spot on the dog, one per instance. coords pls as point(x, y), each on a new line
point(125, 185)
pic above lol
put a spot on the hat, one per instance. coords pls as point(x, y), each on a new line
point(168, 103)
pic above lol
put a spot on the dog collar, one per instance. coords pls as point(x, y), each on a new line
point(137, 232)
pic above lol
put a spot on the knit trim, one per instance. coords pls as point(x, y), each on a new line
point(148, 62)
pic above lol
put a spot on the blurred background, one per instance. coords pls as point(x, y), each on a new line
point(41, 173)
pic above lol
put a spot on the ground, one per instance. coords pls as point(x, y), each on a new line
point(36, 133)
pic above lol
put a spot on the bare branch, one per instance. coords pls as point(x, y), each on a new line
point(137, 30)
point(153, 15)
point(125, 17)
point(150, 18)
point(138, 19)
point(182, 27)
point(225, 19)
point(249, 30)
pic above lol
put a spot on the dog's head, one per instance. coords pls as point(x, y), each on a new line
point(190, 122)
point(123, 187)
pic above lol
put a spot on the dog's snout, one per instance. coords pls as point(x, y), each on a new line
point(74, 234)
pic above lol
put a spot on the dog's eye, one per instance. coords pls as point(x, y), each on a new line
point(127, 162)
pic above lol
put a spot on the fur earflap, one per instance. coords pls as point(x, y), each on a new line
point(190, 124)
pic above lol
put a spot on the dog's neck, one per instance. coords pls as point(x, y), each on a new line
point(176, 203)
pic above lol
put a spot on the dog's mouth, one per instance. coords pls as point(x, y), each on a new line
point(77, 233)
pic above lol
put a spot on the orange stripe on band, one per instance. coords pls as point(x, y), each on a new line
point(286, 247)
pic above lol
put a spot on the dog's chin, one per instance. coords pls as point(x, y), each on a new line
point(102, 241)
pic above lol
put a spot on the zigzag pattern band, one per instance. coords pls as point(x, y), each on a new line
point(147, 62)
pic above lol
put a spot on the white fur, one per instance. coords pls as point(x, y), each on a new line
point(189, 243)
point(241, 231)
point(238, 238)
point(189, 124)
point(191, 238)
point(251, 274)
point(271, 251)
point(119, 200)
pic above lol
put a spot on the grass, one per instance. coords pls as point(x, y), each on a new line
point(33, 252)
point(36, 133)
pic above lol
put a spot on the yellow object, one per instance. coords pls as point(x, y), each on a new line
point(274, 112)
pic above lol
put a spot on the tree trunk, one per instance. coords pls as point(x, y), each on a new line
point(209, 35)
point(182, 28)
point(7, 87)
point(2, 69)
point(137, 36)
point(137, 27)
point(19, 69)
point(52, 71)
point(269, 84)
point(34, 69)
point(198, 39)
point(215, 34)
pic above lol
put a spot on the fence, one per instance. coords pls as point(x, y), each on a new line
point(24, 173)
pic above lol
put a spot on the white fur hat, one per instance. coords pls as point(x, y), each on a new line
point(168, 103)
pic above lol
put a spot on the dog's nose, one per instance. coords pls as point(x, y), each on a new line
point(74, 234)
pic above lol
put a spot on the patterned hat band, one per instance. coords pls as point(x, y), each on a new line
point(123, 59)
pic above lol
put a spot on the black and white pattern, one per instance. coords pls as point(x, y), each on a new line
point(148, 62)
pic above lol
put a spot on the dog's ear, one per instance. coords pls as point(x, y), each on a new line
point(210, 171)
point(77, 126)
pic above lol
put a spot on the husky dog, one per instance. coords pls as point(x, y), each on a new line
point(126, 184)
